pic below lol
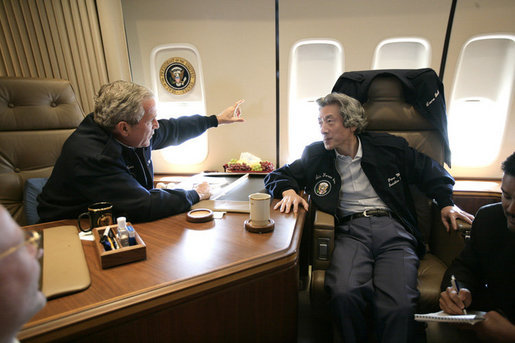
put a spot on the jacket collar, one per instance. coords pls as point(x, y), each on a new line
point(366, 157)
point(112, 147)
point(359, 153)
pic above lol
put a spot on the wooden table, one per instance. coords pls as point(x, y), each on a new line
point(201, 282)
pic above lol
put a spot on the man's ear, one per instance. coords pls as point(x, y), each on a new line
point(121, 129)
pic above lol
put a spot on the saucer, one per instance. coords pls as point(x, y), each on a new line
point(259, 229)
point(199, 215)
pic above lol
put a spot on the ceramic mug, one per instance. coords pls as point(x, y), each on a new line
point(259, 209)
point(99, 214)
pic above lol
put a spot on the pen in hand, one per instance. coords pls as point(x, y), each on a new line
point(457, 289)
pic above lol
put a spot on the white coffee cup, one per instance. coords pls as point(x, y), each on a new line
point(259, 209)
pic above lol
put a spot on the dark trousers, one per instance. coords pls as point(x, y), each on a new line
point(373, 270)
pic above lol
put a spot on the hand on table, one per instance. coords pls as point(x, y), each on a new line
point(203, 190)
point(291, 199)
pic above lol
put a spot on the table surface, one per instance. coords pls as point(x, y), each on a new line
point(180, 256)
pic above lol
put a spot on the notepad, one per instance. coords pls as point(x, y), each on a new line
point(65, 269)
point(472, 317)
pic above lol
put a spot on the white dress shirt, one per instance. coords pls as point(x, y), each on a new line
point(356, 193)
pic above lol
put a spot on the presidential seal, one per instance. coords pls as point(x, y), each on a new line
point(177, 75)
point(322, 188)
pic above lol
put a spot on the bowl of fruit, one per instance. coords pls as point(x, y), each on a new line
point(248, 163)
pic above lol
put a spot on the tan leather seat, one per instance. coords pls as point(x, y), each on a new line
point(387, 111)
point(36, 117)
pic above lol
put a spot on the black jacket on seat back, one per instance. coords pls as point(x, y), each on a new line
point(423, 89)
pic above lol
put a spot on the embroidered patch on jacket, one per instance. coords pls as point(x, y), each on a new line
point(177, 75)
point(322, 188)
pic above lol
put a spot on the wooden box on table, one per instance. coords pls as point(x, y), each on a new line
point(122, 255)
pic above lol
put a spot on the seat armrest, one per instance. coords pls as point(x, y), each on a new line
point(447, 245)
point(464, 228)
point(323, 220)
point(323, 239)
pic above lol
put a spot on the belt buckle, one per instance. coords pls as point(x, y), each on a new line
point(365, 214)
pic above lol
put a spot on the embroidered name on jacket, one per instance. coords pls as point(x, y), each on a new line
point(437, 93)
point(392, 181)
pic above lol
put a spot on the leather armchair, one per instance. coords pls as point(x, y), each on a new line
point(387, 111)
point(36, 117)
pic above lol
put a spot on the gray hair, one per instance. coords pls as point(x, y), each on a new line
point(351, 111)
point(120, 101)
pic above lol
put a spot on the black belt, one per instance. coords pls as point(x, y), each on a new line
point(367, 213)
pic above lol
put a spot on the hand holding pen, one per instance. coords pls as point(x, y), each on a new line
point(455, 300)
point(457, 289)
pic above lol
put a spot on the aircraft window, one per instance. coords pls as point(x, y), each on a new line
point(315, 65)
point(179, 95)
point(402, 53)
point(480, 99)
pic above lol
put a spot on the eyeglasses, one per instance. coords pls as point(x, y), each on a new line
point(33, 239)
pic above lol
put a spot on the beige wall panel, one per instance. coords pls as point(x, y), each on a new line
point(473, 18)
point(236, 42)
point(237, 46)
point(359, 26)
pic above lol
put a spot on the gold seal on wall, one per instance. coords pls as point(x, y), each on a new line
point(177, 75)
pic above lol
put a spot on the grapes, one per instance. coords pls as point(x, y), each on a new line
point(256, 167)
point(267, 166)
point(239, 166)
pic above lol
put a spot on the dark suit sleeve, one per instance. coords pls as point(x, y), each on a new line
point(108, 180)
point(465, 266)
point(290, 176)
point(175, 131)
point(429, 176)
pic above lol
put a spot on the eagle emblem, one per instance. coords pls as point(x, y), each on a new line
point(322, 188)
point(177, 75)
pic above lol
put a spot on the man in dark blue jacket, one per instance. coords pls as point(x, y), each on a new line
point(108, 158)
point(485, 270)
point(363, 180)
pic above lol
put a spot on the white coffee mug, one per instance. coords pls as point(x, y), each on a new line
point(259, 209)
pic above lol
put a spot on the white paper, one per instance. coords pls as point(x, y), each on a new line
point(471, 318)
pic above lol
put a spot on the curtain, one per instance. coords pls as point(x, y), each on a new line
point(82, 41)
